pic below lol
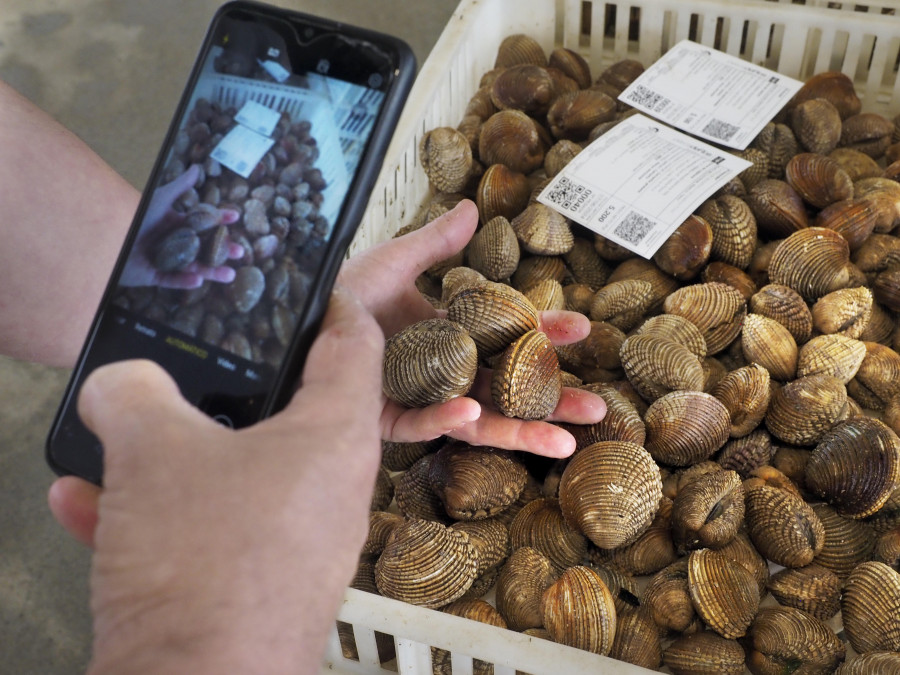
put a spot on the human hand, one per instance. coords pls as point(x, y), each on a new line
point(383, 277)
point(162, 218)
point(220, 550)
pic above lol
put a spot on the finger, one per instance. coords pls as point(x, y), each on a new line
point(169, 192)
point(179, 280)
point(223, 274)
point(235, 251)
point(408, 425)
point(443, 237)
point(73, 502)
point(495, 430)
point(564, 327)
point(228, 216)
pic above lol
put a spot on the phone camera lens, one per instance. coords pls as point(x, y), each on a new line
point(376, 80)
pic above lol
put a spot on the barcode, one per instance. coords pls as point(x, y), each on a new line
point(720, 130)
point(646, 98)
point(568, 194)
point(634, 228)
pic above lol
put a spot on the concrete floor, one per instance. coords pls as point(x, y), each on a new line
point(110, 70)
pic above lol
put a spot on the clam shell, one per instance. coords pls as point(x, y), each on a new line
point(526, 381)
point(687, 249)
point(779, 143)
point(812, 261)
point(745, 394)
point(747, 453)
point(734, 229)
point(622, 303)
point(622, 587)
point(883, 194)
point(857, 164)
point(523, 579)
point(847, 542)
point(887, 549)
point(622, 422)
point(886, 288)
point(475, 482)
point(458, 278)
point(637, 639)
point(656, 366)
point(442, 568)
point(845, 311)
point(381, 524)
point(813, 588)
point(533, 269)
point(724, 594)
point(396, 456)
point(668, 598)
point(610, 491)
point(573, 114)
point(817, 125)
point(578, 611)
point(383, 494)
point(802, 411)
point(872, 663)
point(787, 307)
point(781, 525)
point(731, 275)
point(519, 48)
point(685, 427)
point(585, 266)
point(480, 104)
point(578, 298)
point(501, 192)
point(475, 610)
point(431, 361)
point(835, 87)
point(778, 209)
point(742, 551)
point(781, 635)
point(675, 328)
point(524, 86)
point(758, 169)
point(645, 270)
point(870, 608)
point(446, 158)
point(652, 550)
point(833, 470)
point(541, 525)
point(490, 539)
point(494, 314)
point(621, 73)
point(572, 64)
point(546, 295)
point(414, 496)
point(542, 230)
point(869, 133)
point(511, 137)
point(877, 253)
point(704, 653)
point(878, 376)
point(854, 219)
point(819, 180)
point(559, 156)
point(835, 355)
point(599, 349)
point(771, 345)
point(715, 308)
point(494, 250)
point(713, 370)
point(708, 512)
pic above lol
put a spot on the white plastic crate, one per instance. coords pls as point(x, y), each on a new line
point(797, 40)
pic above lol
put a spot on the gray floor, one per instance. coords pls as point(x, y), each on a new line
point(110, 70)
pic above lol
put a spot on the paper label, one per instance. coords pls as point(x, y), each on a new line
point(710, 94)
point(241, 150)
point(258, 118)
point(638, 182)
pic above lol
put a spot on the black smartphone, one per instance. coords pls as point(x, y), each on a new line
point(257, 192)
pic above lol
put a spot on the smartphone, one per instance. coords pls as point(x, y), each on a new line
point(256, 194)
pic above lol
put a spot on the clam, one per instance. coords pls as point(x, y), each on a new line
point(687, 249)
point(523, 579)
point(668, 598)
point(414, 496)
point(383, 494)
point(622, 303)
point(652, 550)
point(813, 588)
point(685, 427)
point(511, 137)
point(662, 284)
point(886, 288)
point(733, 227)
point(494, 250)
point(397, 456)
point(835, 355)
point(536, 268)
point(759, 166)
point(621, 73)
point(871, 663)
point(803, 410)
point(558, 157)
point(878, 377)
point(745, 394)
point(526, 381)
point(490, 539)
point(637, 639)
point(869, 133)
point(742, 551)
point(847, 542)
point(474, 610)
point(778, 209)
point(784, 635)
point(715, 308)
point(887, 549)
point(520, 48)
point(572, 64)
point(730, 275)
point(708, 512)
point(381, 524)
point(610, 491)
point(546, 295)
point(578, 298)
point(747, 453)
point(675, 328)
point(494, 314)
point(833, 86)
point(656, 366)
point(786, 306)
point(599, 349)
point(779, 144)
point(501, 192)
point(542, 230)
point(870, 608)
point(812, 261)
point(883, 195)
point(475, 482)
point(771, 345)
point(816, 123)
point(456, 279)
point(442, 568)
point(781, 525)
point(622, 421)
point(446, 158)
point(585, 266)
point(430, 361)
point(578, 611)
point(526, 87)
point(877, 253)
point(541, 526)
point(622, 587)
point(819, 180)
point(845, 311)
point(724, 594)
point(704, 653)
point(854, 219)
point(857, 164)
point(572, 115)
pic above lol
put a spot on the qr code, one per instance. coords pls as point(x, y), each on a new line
point(568, 194)
point(648, 99)
point(634, 228)
point(720, 130)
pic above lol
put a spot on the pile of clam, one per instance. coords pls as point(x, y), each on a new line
point(279, 231)
point(739, 506)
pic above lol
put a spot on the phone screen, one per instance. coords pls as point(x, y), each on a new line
point(240, 216)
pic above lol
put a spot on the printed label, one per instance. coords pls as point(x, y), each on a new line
point(241, 150)
point(258, 118)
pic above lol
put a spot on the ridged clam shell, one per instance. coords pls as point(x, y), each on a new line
point(511, 137)
point(835, 87)
point(854, 219)
point(777, 140)
point(559, 156)
point(520, 48)
point(475, 482)
point(524, 86)
point(848, 542)
point(819, 180)
point(758, 169)
point(781, 525)
point(530, 492)
point(501, 192)
point(573, 114)
point(456, 279)
point(431, 361)
point(490, 539)
point(833, 471)
point(536, 268)
point(578, 298)
point(835, 355)
point(622, 421)
point(857, 164)
point(523, 579)
point(868, 132)
point(585, 266)
point(546, 295)
point(787, 307)
point(475, 610)
point(494, 314)
point(870, 608)
point(578, 611)
point(886, 288)
point(637, 639)
point(675, 328)
point(708, 512)
point(747, 453)
point(878, 376)
point(381, 524)
point(610, 491)
point(734, 229)
point(572, 64)
point(845, 311)
point(742, 551)
point(526, 381)
point(817, 125)
point(745, 394)
point(715, 308)
point(668, 598)
point(872, 663)
point(704, 653)
point(541, 525)
point(383, 493)
point(687, 249)
point(883, 195)
point(778, 209)
point(480, 104)
point(812, 261)
point(396, 456)
point(446, 158)
point(730, 275)
point(781, 635)
point(442, 568)
point(813, 588)
point(724, 594)
point(622, 303)
point(656, 366)
point(600, 349)
point(651, 551)
point(645, 270)
point(622, 587)
point(802, 411)
point(414, 496)
point(542, 230)
point(771, 345)
point(494, 250)
point(685, 427)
